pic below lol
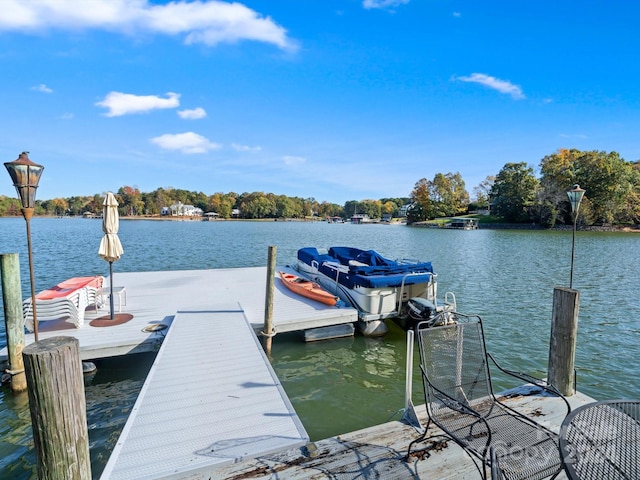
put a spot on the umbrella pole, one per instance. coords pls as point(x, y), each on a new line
point(111, 288)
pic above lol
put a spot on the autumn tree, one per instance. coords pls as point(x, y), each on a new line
point(222, 204)
point(448, 195)
point(60, 206)
point(392, 205)
point(421, 206)
point(130, 201)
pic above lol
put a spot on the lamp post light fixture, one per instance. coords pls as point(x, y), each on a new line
point(26, 175)
point(575, 197)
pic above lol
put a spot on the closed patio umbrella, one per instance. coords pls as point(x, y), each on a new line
point(110, 247)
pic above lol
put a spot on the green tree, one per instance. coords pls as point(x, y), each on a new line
point(373, 208)
point(612, 185)
point(257, 205)
point(160, 199)
point(287, 207)
point(514, 192)
point(150, 207)
point(351, 207)
point(326, 209)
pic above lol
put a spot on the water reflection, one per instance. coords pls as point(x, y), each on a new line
point(340, 385)
point(17, 457)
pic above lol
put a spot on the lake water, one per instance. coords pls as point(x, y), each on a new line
point(505, 276)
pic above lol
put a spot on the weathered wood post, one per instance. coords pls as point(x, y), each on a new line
point(267, 331)
point(13, 318)
point(562, 347)
point(58, 408)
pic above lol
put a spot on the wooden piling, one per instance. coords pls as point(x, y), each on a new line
point(58, 408)
point(267, 331)
point(13, 318)
point(562, 346)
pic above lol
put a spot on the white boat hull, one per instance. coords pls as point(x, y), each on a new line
point(372, 303)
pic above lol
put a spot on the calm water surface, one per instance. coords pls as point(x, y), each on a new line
point(337, 386)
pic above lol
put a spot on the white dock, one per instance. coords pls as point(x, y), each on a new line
point(218, 405)
point(155, 298)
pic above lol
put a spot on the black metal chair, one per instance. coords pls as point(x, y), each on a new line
point(461, 402)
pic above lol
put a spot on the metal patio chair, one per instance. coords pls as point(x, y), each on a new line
point(461, 402)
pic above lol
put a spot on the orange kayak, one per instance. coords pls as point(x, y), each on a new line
point(307, 288)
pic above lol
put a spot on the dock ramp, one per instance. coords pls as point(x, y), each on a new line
point(211, 398)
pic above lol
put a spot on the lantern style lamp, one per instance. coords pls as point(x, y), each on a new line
point(575, 197)
point(26, 175)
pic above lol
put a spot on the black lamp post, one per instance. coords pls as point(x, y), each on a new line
point(26, 175)
point(575, 197)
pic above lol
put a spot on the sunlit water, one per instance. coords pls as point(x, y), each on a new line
point(337, 386)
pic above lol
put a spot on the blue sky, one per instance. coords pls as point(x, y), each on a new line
point(336, 100)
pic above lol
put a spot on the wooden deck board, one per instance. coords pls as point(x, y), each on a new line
point(379, 451)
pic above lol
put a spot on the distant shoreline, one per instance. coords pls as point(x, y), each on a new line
point(492, 226)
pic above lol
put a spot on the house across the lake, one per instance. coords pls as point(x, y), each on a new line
point(181, 210)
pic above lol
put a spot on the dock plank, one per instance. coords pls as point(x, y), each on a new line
point(210, 398)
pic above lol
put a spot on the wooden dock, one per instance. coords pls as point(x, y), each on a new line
point(156, 297)
point(380, 451)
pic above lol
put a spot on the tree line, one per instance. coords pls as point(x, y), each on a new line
point(248, 205)
point(514, 194)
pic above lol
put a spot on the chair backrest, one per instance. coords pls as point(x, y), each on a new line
point(453, 360)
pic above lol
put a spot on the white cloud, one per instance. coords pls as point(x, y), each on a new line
point(194, 114)
point(292, 161)
point(207, 21)
point(502, 86)
point(368, 4)
point(42, 88)
point(245, 148)
point(457, 14)
point(120, 103)
point(187, 142)
point(66, 116)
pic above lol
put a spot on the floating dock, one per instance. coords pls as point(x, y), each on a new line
point(154, 298)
